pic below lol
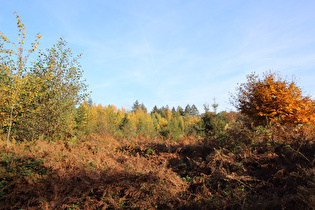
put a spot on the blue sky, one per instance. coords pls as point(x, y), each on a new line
point(174, 52)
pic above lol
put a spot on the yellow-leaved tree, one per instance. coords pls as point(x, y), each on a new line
point(13, 61)
point(38, 98)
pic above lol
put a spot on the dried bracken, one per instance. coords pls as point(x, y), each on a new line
point(102, 172)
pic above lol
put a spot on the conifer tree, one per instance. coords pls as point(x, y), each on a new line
point(187, 109)
point(143, 108)
point(206, 107)
point(136, 105)
point(214, 105)
point(181, 111)
point(154, 110)
point(194, 111)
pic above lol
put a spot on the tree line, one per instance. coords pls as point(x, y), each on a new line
point(160, 122)
point(48, 97)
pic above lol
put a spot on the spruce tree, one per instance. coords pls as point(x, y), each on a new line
point(181, 111)
point(187, 109)
point(194, 111)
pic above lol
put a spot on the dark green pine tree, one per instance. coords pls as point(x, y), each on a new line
point(143, 108)
point(135, 106)
point(180, 110)
point(155, 109)
point(206, 107)
point(194, 111)
point(214, 105)
point(187, 109)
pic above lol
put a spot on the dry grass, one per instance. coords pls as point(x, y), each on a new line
point(101, 172)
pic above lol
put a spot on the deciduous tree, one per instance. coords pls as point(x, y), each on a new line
point(13, 60)
point(40, 97)
point(274, 99)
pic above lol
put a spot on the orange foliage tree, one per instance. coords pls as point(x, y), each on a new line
point(274, 99)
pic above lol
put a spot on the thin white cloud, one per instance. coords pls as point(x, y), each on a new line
point(170, 52)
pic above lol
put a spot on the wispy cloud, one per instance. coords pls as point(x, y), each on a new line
point(178, 52)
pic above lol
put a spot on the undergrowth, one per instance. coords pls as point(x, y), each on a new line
point(241, 169)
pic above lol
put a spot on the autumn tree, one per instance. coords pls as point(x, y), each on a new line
point(57, 77)
point(139, 123)
point(13, 68)
point(274, 99)
point(40, 96)
point(82, 117)
point(161, 124)
point(176, 126)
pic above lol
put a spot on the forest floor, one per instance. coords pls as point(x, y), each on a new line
point(103, 172)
